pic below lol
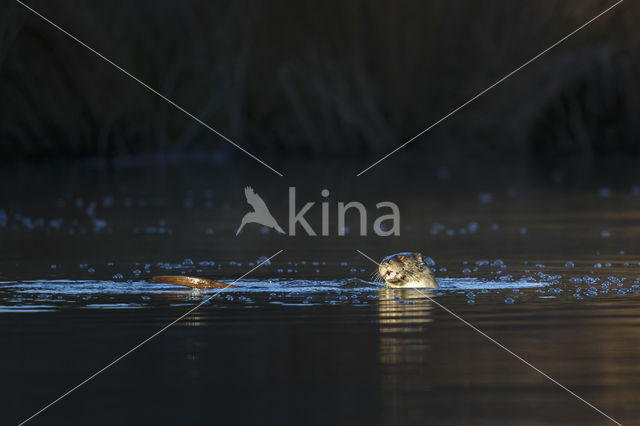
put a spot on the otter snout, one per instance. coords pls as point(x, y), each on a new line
point(390, 271)
point(387, 273)
point(390, 275)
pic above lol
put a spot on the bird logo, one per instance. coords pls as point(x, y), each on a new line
point(260, 213)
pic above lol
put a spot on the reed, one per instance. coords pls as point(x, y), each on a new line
point(335, 77)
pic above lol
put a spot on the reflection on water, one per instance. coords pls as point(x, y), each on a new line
point(405, 316)
point(363, 353)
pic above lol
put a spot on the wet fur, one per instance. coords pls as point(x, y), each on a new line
point(410, 270)
point(193, 282)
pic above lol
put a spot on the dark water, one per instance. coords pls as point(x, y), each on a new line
point(547, 266)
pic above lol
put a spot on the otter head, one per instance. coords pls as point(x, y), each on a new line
point(402, 268)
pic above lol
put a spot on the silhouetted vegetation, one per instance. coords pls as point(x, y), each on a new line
point(334, 77)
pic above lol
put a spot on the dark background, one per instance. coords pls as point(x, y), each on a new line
point(306, 79)
point(103, 183)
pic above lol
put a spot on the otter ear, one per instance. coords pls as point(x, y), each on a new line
point(418, 256)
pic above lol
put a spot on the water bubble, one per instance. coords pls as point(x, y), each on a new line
point(569, 265)
point(605, 234)
point(264, 260)
point(107, 201)
point(99, 225)
point(428, 261)
point(54, 223)
point(499, 264)
point(485, 198)
point(437, 227)
point(509, 301)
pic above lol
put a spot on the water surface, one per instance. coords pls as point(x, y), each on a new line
point(548, 268)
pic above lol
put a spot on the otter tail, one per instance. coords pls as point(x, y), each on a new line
point(192, 282)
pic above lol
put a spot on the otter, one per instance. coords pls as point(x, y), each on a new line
point(401, 270)
point(192, 282)
point(406, 270)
